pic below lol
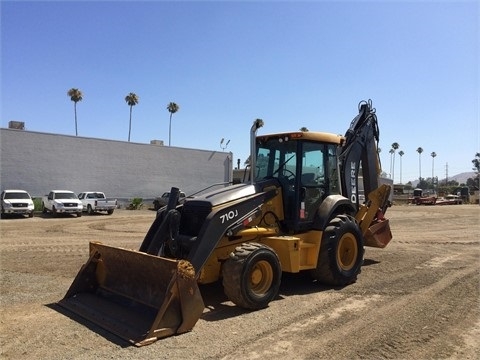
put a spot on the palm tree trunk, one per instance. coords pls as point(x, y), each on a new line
point(400, 170)
point(75, 109)
point(393, 168)
point(130, 124)
point(170, 129)
point(420, 167)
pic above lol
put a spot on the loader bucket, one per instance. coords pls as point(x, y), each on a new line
point(139, 297)
point(378, 234)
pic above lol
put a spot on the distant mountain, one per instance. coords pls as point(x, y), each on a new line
point(460, 178)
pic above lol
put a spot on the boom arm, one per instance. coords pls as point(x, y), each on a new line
point(360, 149)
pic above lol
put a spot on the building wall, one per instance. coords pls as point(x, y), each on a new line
point(39, 162)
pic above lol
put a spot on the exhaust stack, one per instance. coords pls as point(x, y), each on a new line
point(257, 124)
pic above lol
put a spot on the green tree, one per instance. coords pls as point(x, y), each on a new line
point(131, 100)
point(76, 96)
point(472, 183)
point(476, 167)
point(476, 163)
point(304, 129)
point(172, 109)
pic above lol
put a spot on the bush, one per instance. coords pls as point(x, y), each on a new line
point(37, 203)
point(135, 204)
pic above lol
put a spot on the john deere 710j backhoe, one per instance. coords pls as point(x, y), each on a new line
point(299, 210)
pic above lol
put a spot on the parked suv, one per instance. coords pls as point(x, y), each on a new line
point(162, 201)
point(16, 202)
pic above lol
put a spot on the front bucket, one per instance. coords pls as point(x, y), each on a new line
point(379, 234)
point(139, 297)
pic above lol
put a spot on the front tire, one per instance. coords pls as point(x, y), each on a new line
point(341, 252)
point(252, 276)
point(89, 209)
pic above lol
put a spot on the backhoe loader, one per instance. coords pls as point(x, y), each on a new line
point(299, 210)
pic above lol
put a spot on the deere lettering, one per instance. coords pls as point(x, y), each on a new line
point(353, 176)
point(229, 216)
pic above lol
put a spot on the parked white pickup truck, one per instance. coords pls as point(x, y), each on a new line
point(16, 202)
point(62, 202)
point(94, 201)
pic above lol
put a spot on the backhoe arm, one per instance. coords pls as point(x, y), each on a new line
point(360, 151)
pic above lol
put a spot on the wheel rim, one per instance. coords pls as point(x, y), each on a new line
point(347, 252)
point(261, 277)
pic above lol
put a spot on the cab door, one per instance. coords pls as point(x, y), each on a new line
point(317, 170)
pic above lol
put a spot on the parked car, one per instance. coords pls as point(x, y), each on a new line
point(62, 202)
point(162, 201)
point(16, 202)
point(94, 201)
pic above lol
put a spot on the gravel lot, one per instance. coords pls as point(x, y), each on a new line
point(416, 299)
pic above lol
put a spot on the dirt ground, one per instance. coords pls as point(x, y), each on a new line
point(416, 299)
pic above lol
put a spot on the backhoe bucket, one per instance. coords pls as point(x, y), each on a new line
point(378, 234)
point(139, 297)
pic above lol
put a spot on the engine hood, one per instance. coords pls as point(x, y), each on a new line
point(222, 196)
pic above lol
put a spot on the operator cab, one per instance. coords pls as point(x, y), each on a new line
point(305, 165)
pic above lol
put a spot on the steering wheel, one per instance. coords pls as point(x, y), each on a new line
point(288, 174)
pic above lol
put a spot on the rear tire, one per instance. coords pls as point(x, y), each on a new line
point(341, 252)
point(110, 212)
point(252, 276)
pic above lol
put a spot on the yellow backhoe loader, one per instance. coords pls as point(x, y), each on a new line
point(298, 210)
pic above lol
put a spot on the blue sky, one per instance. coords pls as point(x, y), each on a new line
point(292, 64)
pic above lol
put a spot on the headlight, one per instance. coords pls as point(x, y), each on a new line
point(58, 204)
point(7, 204)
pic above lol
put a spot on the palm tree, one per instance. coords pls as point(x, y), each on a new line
point(132, 100)
point(172, 109)
point(395, 146)
point(419, 150)
point(76, 96)
point(391, 157)
point(401, 153)
point(433, 154)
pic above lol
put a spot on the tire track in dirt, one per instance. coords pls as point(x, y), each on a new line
point(399, 328)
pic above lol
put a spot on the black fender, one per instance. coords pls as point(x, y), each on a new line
point(330, 206)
